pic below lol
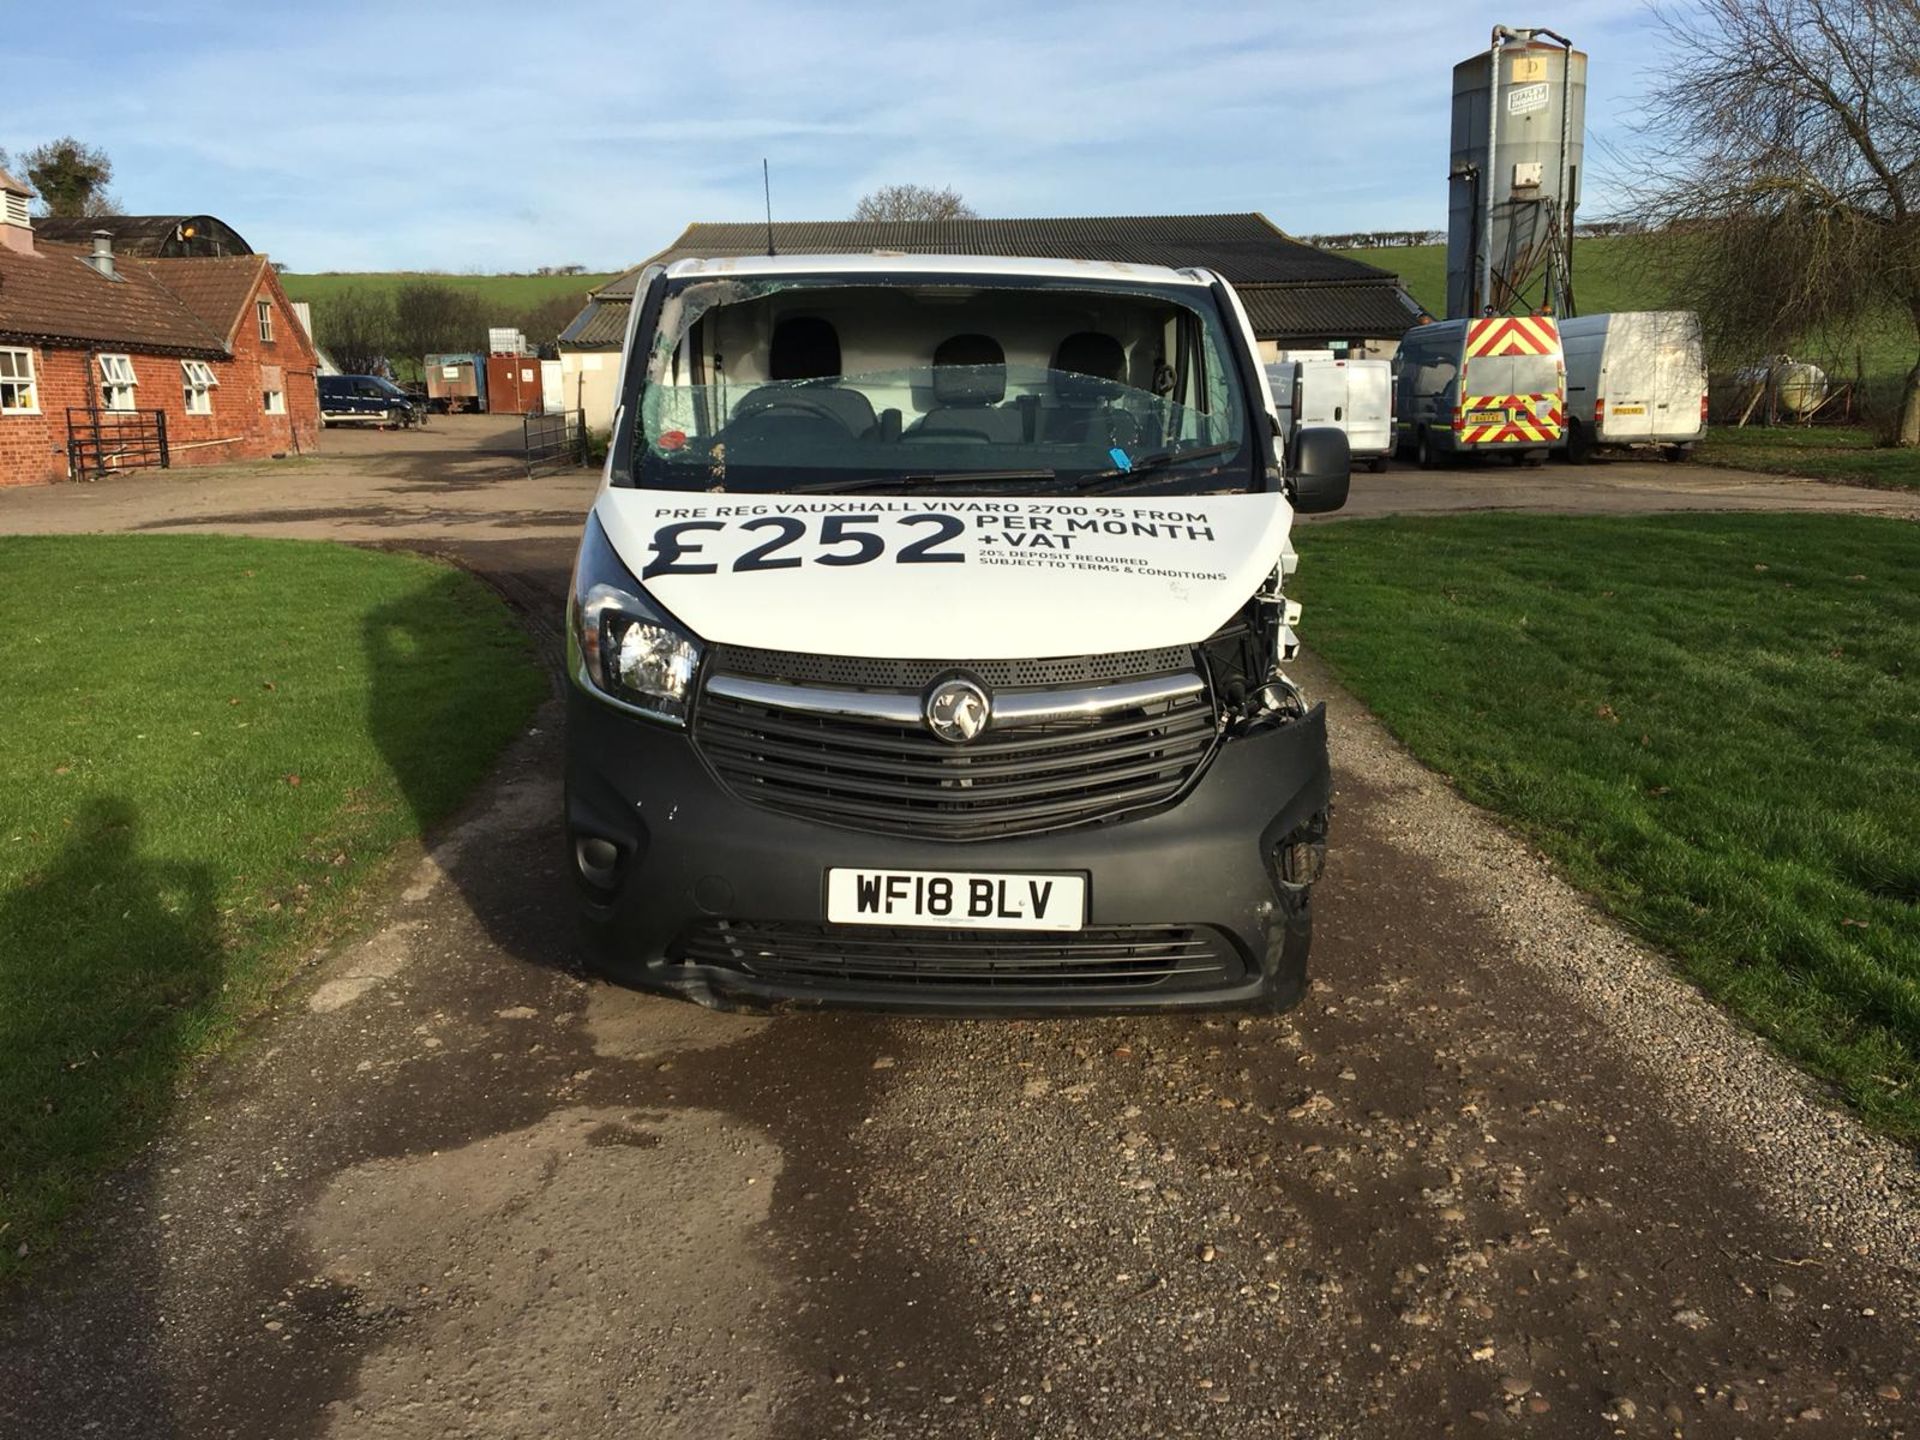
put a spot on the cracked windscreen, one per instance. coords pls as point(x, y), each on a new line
point(795, 385)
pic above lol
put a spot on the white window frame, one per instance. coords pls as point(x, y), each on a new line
point(19, 391)
point(118, 383)
point(198, 381)
point(273, 402)
point(263, 312)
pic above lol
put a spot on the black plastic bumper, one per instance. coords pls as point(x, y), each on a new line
point(689, 852)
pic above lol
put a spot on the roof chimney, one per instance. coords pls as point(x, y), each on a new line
point(16, 230)
point(102, 257)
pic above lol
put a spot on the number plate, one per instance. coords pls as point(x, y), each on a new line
point(972, 899)
point(1486, 417)
point(1629, 409)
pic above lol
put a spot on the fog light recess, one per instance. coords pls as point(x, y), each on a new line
point(598, 860)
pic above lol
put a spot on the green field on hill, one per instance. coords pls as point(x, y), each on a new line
point(1608, 275)
point(510, 294)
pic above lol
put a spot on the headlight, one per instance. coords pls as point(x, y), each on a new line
point(622, 645)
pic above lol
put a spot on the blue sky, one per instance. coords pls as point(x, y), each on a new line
point(484, 136)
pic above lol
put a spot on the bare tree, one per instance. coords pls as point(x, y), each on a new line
point(1788, 141)
point(913, 202)
point(355, 327)
point(431, 317)
point(71, 177)
point(542, 323)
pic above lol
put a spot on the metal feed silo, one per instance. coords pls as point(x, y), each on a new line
point(1519, 139)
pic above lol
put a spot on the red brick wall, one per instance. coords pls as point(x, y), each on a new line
point(298, 431)
point(33, 447)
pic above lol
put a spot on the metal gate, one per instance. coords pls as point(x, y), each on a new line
point(103, 440)
point(558, 439)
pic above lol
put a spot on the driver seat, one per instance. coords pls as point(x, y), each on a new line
point(807, 348)
point(1086, 367)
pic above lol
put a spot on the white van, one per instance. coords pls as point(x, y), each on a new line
point(1635, 378)
point(1355, 396)
point(927, 640)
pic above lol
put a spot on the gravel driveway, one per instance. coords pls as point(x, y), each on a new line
point(1499, 1175)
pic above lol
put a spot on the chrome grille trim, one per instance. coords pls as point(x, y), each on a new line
point(819, 700)
point(1021, 707)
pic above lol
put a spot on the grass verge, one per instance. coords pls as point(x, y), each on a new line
point(210, 743)
point(1821, 453)
point(1711, 722)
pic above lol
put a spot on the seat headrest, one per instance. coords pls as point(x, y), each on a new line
point(969, 370)
point(805, 347)
point(1091, 354)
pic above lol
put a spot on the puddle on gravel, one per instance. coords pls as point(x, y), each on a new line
point(601, 1267)
point(632, 1025)
point(366, 967)
point(521, 805)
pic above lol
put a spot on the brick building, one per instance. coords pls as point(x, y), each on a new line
point(96, 344)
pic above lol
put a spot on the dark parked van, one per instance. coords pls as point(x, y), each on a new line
point(366, 398)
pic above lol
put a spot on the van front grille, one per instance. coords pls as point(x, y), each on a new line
point(894, 776)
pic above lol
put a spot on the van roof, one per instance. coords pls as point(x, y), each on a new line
point(901, 264)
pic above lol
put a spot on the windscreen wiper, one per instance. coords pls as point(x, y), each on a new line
point(1163, 458)
point(953, 477)
point(1160, 460)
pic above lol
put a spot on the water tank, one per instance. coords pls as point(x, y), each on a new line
point(1539, 149)
point(1785, 386)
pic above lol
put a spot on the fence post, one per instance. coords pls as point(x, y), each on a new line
point(166, 460)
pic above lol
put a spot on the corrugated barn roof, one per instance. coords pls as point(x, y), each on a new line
point(601, 326)
point(151, 237)
point(1292, 291)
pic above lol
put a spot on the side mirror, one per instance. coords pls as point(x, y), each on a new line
point(1322, 470)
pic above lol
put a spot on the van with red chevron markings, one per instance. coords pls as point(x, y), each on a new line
point(1492, 386)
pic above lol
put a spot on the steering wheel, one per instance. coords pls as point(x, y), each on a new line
point(764, 403)
point(1123, 426)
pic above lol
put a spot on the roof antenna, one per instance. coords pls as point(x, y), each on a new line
point(766, 185)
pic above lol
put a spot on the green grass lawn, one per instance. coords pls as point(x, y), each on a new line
point(511, 295)
point(1711, 722)
point(211, 744)
point(1823, 452)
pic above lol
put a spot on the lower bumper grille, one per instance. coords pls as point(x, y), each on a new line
point(861, 956)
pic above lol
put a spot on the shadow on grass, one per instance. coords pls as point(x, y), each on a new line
point(453, 680)
point(109, 955)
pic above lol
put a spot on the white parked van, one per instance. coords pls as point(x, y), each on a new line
point(927, 642)
point(1355, 396)
point(1634, 378)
